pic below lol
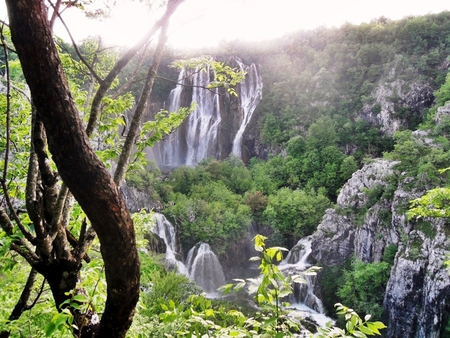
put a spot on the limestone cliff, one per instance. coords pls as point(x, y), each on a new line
point(370, 215)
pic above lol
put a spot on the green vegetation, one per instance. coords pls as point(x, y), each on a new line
point(364, 286)
point(175, 315)
point(295, 213)
point(314, 120)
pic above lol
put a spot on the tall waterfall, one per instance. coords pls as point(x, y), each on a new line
point(203, 123)
point(250, 95)
point(170, 152)
point(216, 126)
point(204, 268)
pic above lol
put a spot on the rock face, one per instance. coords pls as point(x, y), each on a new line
point(370, 215)
point(338, 237)
point(137, 200)
point(396, 103)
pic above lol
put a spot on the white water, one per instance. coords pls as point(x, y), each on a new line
point(204, 269)
point(166, 231)
point(197, 139)
point(170, 151)
point(250, 94)
point(204, 121)
point(296, 263)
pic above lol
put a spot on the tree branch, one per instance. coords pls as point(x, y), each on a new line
point(75, 46)
point(120, 64)
point(29, 256)
point(132, 135)
point(58, 230)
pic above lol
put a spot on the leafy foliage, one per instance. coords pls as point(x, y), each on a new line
point(355, 326)
point(364, 286)
point(211, 214)
point(295, 213)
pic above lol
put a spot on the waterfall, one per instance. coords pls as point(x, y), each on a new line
point(166, 231)
point(216, 126)
point(202, 265)
point(204, 269)
point(198, 138)
point(303, 297)
point(170, 152)
point(204, 121)
point(250, 94)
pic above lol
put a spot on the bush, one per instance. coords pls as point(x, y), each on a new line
point(364, 286)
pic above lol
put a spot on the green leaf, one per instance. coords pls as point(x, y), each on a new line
point(49, 329)
point(60, 319)
point(80, 298)
point(349, 325)
point(366, 330)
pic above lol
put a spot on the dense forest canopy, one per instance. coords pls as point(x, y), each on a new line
point(317, 123)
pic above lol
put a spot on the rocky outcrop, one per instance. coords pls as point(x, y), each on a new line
point(397, 103)
point(370, 215)
point(339, 236)
point(418, 290)
point(136, 199)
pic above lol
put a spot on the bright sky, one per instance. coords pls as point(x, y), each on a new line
point(200, 23)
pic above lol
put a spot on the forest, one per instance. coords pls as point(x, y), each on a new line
point(77, 259)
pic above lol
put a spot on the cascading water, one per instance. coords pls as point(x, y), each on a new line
point(204, 121)
point(303, 297)
point(199, 139)
point(216, 126)
point(250, 94)
point(202, 265)
point(204, 269)
point(166, 231)
point(171, 151)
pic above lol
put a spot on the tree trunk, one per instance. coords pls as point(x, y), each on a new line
point(80, 169)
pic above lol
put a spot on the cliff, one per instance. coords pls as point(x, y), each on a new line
point(370, 215)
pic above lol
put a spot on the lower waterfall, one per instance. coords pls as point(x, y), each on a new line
point(204, 269)
point(166, 231)
point(202, 266)
point(303, 298)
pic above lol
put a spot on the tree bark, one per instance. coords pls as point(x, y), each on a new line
point(84, 174)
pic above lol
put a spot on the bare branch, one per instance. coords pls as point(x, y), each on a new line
point(26, 253)
point(55, 12)
point(86, 238)
point(21, 305)
point(132, 79)
point(41, 290)
point(75, 46)
point(5, 222)
point(58, 231)
point(122, 62)
point(8, 107)
point(132, 135)
point(16, 218)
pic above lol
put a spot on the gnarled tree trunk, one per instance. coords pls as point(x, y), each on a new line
point(80, 169)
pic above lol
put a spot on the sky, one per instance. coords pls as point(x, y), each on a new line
point(204, 23)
